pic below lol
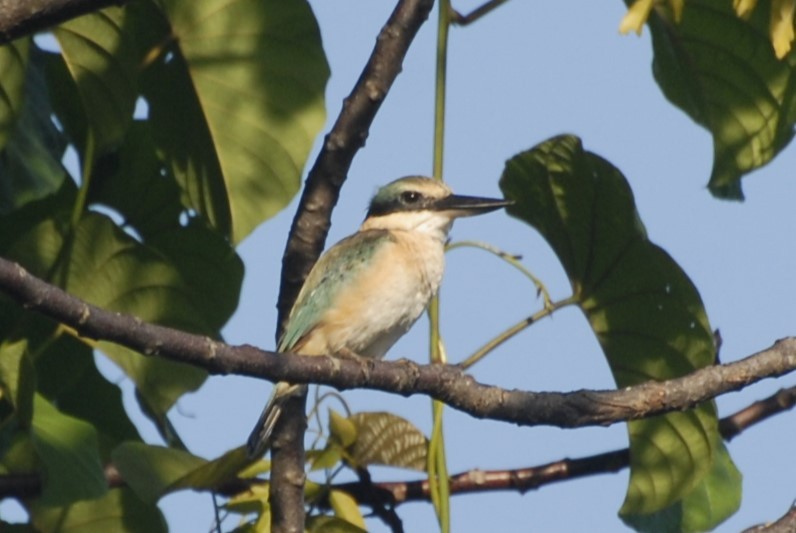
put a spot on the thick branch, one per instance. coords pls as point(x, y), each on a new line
point(443, 382)
point(19, 18)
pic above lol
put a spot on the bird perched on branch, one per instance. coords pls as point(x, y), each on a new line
point(366, 291)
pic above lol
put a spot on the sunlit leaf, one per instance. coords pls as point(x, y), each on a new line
point(18, 378)
point(341, 429)
point(325, 458)
point(119, 510)
point(101, 58)
point(386, 439)
point(713, 500)
point(345, 507)
point(646, 313)
point(68, 449)
point(723, 72)
point(235, 90)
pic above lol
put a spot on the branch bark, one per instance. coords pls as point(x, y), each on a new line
point(20, 18)
point(444, 382)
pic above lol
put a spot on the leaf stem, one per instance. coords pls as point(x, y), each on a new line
point(515, 329)
point(513, 260)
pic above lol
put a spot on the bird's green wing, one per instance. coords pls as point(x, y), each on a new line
point(330, 275)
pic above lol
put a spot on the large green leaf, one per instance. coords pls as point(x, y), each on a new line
point(235, 90)
point(30, 161)
point(646, 313)
point(68, 448)
point(711, 502)
point(101, 58)
point(114, 271)
point(119, 511)
point(722, 71)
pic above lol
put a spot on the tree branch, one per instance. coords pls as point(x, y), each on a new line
point(443, 382)
point(19, 18)
point(786, 524)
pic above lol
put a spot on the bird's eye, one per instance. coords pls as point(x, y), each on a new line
point(410, 197)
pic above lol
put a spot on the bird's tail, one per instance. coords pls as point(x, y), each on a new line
point(260, 437)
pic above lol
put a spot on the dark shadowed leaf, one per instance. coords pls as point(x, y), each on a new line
point(67, 375)
point(386, 439)
point(31, 146)
point(13, 62)
point(722, 71)
point(68, 448)
point(235, 90)
point(646, 313)
point(151, 470)
point(118, 511)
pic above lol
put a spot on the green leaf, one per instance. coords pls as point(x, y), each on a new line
point(645, 312)
point(13, 60)
point(135, 183)
point(387, 439)
point(152, 470)
point(18, 378)
point(30, 162)
point(67, 376)
point(326, 458)
point(345, 507)
point(341, 429)
point(102, 60)
point(722, 71)
point(235, 90)
point(68, 449)
point(119, 510)
point(711, 502)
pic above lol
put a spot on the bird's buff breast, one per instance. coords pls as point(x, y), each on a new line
point(377, 310)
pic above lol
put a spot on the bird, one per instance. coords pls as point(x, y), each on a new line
point(368, 290)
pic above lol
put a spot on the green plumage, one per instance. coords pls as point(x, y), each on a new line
point(331, 275)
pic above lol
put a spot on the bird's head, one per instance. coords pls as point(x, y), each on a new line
point(416, 203)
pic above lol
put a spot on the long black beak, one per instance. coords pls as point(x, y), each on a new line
point(465, 206)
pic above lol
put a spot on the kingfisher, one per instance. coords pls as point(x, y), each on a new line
point(367, 290)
